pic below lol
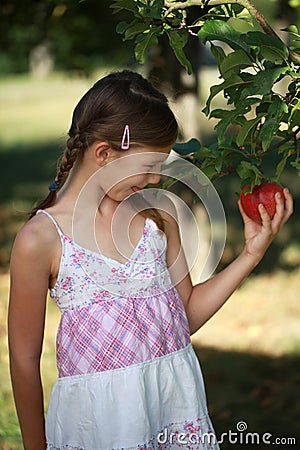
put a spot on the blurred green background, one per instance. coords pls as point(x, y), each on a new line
point(51, 52)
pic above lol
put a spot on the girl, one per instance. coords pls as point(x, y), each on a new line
point(128, 376)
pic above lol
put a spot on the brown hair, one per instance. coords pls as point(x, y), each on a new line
point(116, 100)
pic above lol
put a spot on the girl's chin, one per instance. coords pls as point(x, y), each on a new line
point(122, 195)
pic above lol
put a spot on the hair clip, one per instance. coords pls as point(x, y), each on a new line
point(125, 144)
point(53, 186)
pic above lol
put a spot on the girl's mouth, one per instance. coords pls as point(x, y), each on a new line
point(136, 189)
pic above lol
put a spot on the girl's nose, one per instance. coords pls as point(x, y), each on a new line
point(153, 178)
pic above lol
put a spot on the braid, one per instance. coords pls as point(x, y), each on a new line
point(74, 149)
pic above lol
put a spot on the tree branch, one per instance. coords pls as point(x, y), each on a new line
point(251, 8)
point(253, 11)
point(283, 141)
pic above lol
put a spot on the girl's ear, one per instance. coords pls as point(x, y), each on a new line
point(103, 153)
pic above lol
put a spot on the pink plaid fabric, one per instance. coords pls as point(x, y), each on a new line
point(115, 315)
point(112, 334)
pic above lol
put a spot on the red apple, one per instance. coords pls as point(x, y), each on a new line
point(263, 193)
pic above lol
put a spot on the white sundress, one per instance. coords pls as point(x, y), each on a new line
point(128, 377)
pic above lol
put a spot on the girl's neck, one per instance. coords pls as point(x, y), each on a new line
point(76, 185)
point(83, 195)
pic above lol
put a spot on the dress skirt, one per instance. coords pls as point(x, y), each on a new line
point(159, 404)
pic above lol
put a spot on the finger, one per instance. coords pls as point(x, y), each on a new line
point(265, 218)
point(243, 214)
point(289, 203)
point(280, 209)
point(288, 209)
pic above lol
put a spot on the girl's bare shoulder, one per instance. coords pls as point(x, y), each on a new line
point(169, 214)
point(36, 236)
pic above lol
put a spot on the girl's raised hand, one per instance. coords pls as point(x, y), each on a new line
point(258, 237)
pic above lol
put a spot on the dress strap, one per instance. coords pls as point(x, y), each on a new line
point(52, 220)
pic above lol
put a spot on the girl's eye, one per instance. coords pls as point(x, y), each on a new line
point(153, 166)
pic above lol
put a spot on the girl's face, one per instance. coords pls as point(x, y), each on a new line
point(135, 169)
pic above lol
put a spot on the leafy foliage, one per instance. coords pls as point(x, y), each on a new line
point(261, 116)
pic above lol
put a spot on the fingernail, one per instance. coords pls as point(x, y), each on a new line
point(278, 195)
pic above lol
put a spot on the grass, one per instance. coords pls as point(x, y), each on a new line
point(262, 316)
point(31, 112)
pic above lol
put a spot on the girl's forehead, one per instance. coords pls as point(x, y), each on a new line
point(152, 154)
point(152, 159)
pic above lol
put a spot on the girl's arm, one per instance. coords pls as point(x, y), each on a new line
point(203, 300)
point(30, 270)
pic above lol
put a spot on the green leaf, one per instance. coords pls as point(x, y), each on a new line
point(247, 128)
point(224, 123)
point(277, 108)
point(178, 40)
point(128, 5)
point(235, 80)
point(240, 120)
point(272, 54)
point(206, 153)
point(155, 10)
point(259, 39)
point(281, 165)
point(234, 62)
point(267, 132)
point(121, 27)
point(263, 82)
point(218, 113)
point(185, 148)
point(209, 171)
point(168, 183)
point(218, 30)
point(239, 24)
point(231, 116)
point(218, 53)
point(295, 118)
point(296, 162)
point(292, 29)
point(232, 156)
point(235, 94)
point(263, 107)
point(271, 47)
point(247, 171)
point(149, 40)
point(137, 28)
